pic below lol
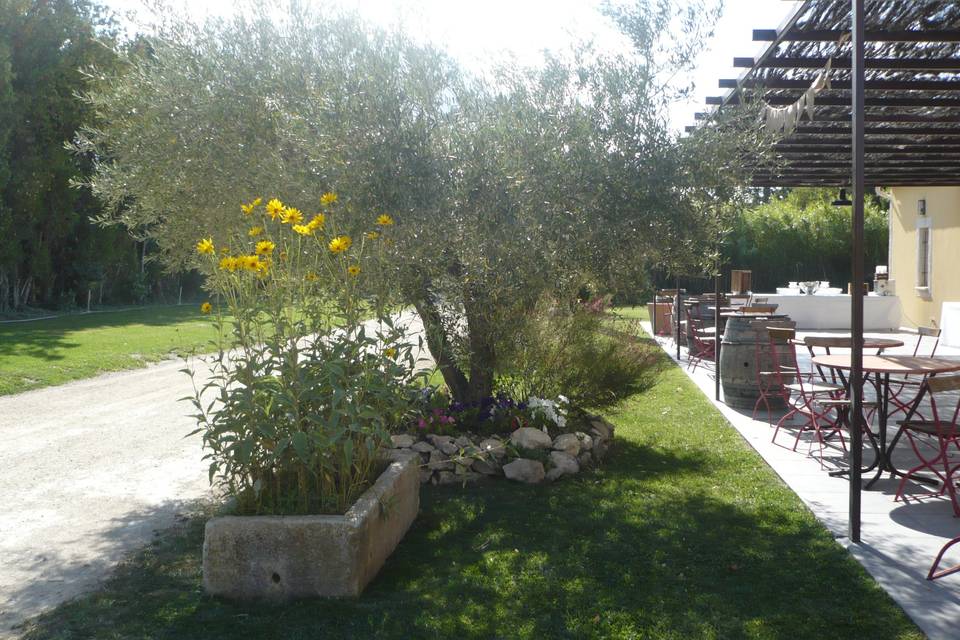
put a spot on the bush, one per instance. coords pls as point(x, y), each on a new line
point(571, 353)
point(299, 414)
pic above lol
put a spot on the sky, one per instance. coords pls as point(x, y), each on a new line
point(479, 32)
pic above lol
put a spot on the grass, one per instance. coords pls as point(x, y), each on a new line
point(684, 534)
point(40, 353)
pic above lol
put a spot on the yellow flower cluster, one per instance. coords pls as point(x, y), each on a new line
point(384, 220)
point(264, 247)
point(244, 263)
point(249, 207)
point(353, 270)
point(206, 307)
point(205, 246)
point(328, 198)
point(255, 231)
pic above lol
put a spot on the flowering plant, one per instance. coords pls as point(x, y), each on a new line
point(293, 415)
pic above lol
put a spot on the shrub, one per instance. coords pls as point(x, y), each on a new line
point(299, 414)
point(571, 353)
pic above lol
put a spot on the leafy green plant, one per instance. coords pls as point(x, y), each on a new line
point(294, 416)
point(570, 352)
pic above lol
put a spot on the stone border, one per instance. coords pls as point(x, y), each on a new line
point(527, 455)
point(281, 558)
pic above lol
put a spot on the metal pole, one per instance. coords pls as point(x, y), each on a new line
point(716, 336)
point(679, 305)
point(856, 295)
point(653, 319)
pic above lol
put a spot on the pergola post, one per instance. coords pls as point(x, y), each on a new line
point(716, 335)
point(679, 307)
point(856, 294)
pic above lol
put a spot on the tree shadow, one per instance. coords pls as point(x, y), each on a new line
point(49, 339)
point(642, 547)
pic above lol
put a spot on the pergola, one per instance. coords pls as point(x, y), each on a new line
point(861, 93)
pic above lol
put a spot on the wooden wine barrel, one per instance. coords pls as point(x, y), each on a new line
point(738, 359)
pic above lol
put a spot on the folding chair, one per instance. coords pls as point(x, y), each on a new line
point(939, 435)
point(904, 390)
point(702, 345)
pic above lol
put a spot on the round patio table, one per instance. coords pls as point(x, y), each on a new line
point(882, 367)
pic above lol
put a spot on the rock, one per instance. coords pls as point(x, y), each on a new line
point(395, 455)
point(599, 450)
point(586, 442)
point(564, 464)
point(440, 462)
point(402, 441)
point(425, 476)
point(486, 467)
point(493, 447)
point(445, 477)
point(444, 443)
point(524, 470)
point(423, 447)
point(568, 443)
point(530, 438)
point(601, 428)
point(585, 459)
point(463, 442)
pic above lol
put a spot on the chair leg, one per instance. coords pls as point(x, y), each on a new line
point(934, 573)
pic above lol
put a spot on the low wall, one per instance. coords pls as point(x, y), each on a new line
point(880, 313)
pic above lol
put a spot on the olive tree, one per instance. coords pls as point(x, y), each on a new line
point(507, 188)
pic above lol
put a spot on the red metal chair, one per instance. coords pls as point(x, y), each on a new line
point(702, 344)
point(934, 573)
point(939, 435)
point(771, 376)
point(904, 390)
point(805, 393)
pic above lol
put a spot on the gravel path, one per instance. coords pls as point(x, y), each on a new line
point(89, 471)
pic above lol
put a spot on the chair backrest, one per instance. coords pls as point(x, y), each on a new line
point(782, 344)
point(761, 308)
point(755, 300)
point(738, 301)
point(812, 343)
point(942, 391)
point(932, 334)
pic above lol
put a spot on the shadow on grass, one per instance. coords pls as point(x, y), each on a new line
point(48, 339)
point(645, 547)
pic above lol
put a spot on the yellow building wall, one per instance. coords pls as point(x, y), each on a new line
point(922, 308)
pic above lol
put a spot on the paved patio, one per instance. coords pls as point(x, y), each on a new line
point(899, 541)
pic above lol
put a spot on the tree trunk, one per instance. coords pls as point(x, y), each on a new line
point(440, 348)
point(480, 336)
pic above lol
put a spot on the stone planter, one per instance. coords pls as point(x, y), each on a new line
point(286, 557)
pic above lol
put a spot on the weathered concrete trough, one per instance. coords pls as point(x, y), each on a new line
point(283, 558)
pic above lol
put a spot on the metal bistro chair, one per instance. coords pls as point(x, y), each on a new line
point(759, 308)
point(941, 434)
point(771, 378)
point(904, 390)
point(806, 392)
point(702, 344)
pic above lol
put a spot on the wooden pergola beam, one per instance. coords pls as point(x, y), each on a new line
point(843, 62)
point(834, 35)
point(842, 85)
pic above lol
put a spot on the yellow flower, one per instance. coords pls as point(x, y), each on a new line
point(372, 235)
point(317, 222)
point(353, 270)
point(263, 267)
point(311, 277)
point(256, 202)
point(303, 229)
point(340, 244)
point(205, 246)
point(274, 208)
point(291, 216)
point(255, 231)
point(328, 198)
point(206, 307)
point(264, 247)
point(247, 208)
point(390, 352)
point(384, 220)
point(228, 263)
point(250, 263)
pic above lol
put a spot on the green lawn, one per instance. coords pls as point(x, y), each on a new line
point(39, 353)
point(684, 534)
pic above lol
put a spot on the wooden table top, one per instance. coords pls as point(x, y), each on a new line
point(740, 314)
point(892, 364)
point(868, 343)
